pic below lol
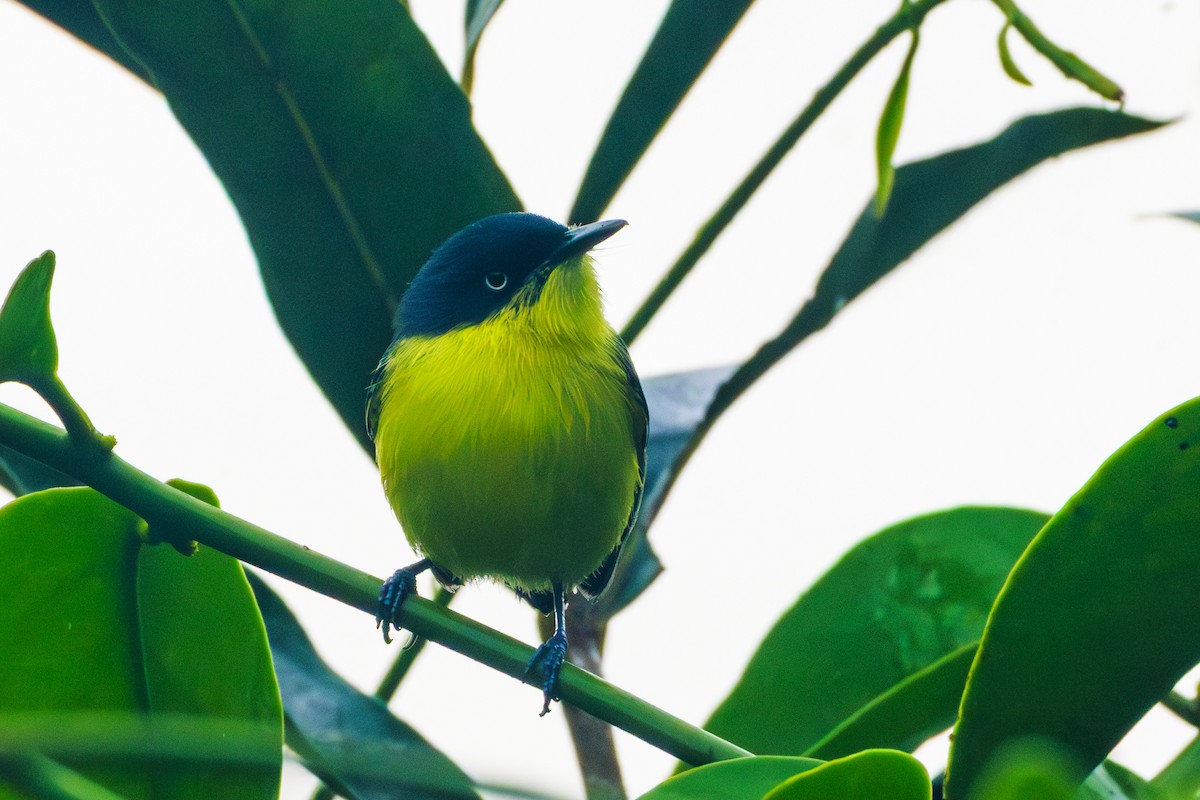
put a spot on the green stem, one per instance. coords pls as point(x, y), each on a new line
point(1068, 63)
point(112, 736)
point(909, 16)
point(159, 504)
point(74, 418)
point(34, 775)
point(1183, 708)
point(1181, 778)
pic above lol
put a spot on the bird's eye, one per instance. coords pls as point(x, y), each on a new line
point(495, 281)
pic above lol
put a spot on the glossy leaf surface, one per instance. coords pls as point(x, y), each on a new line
point(346, 147)
point(735, 779)
point(869, 775)
point(350, 739)
point(1109, 589)
point(103, 623)
point(689, 36)
point(895, 603)
point(902, 718)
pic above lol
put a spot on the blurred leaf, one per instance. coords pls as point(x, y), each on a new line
point(1026, 769)
point(99, 622)
point(895, 604)
point(1098, 619)
point(347, 149)
point(930, 194)
point(1006, 60)
point(350, 739)
point(870, 775)
point(81, 20)
point(478, 14)
point(1193, 216)
point(888, 133)
point(1111, 781)
point(28, 348)
point(677, 403)
point(905, 716)
point(688, 37)
point(20, 474)
point(736, 779)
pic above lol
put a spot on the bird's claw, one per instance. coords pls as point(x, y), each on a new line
point(549, 659)
point(391, 596)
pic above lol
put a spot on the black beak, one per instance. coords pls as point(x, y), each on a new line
point(582, 239)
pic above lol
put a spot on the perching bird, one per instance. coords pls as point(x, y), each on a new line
point(509, 423)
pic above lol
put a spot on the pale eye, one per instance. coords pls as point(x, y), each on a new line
point(495, 281)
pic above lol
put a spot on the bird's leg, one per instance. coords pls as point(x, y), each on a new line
point(550, 656)
point(393, 593)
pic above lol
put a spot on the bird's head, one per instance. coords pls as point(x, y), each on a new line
point(519, 263)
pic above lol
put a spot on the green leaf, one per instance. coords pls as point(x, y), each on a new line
point(1067, 62)
point(20, 474)
point(888, 133)
point(81, 20)
point(676, 403)
point(28, 348)
point(689, 36)
point(350, 739)
point(1006, 60)
point(930, 194)
point(478, 14)
point(1111, 781)
point(870, 775)
point(346, 147)
point(1109, 590)
point(98, 622)
point(1191, 216)
point(895, 604)
point(1028, 768)
point(735, 779)
point(906, 715)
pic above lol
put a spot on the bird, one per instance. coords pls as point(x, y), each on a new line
point(509, 422)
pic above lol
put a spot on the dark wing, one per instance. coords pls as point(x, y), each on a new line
point(375, 395)
point(595, 583)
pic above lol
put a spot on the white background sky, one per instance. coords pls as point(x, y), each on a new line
point(1000, 365)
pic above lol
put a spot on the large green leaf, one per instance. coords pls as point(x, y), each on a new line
point(735, 779)
point(689, 36)
point(1099, 618)
point(902, 718)
point(346, 147)
point(869, 775)
point(96, 621)
point(80, 19)
point(350, 739)
point(894, 604)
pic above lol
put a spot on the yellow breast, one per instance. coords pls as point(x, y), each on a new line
point(507, 448)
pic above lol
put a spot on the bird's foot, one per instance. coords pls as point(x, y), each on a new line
point(392, 594)
point(549, 660)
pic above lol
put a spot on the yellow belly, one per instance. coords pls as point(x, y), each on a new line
point(508, 455)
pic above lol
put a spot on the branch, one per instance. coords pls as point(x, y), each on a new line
point(908, 17)
point(169, 509)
